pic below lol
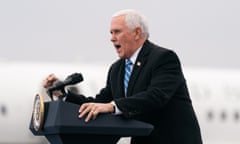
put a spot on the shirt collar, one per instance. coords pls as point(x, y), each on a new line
point(135, 54)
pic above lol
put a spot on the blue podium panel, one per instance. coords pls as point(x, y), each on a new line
point(62, 125)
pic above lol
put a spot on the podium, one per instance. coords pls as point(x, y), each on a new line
point(62, 126)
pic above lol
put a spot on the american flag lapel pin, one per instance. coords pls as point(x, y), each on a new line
point(138, 63)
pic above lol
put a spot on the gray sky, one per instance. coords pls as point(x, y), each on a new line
point(204, 33)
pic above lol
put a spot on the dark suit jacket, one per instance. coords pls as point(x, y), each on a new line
point(157, 93)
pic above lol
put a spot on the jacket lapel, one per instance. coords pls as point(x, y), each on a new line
point(138, 66)
point(120, 79)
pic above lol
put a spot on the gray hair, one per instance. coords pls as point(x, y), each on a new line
point(134, 19)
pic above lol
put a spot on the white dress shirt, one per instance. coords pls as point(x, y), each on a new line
point(133, 59)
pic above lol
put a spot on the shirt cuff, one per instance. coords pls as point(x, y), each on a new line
point(117, 111)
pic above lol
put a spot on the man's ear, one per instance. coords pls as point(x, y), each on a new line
point(138, 33)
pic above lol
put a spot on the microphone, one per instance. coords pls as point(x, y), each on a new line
point(70, 80)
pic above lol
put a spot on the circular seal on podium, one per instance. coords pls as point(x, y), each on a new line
point(38, 112)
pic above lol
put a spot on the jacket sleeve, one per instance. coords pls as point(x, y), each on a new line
point(104, 96)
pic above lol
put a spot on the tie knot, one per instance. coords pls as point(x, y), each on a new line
point(128, 62)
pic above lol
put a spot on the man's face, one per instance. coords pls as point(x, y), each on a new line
point(123, 39)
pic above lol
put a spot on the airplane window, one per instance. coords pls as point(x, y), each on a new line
point(210, 115)
point(236, 116)
point(223, 115)
point(3, 110)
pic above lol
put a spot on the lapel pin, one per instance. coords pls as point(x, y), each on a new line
point(138, 63)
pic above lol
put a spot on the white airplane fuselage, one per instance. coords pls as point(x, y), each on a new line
point(215, 95)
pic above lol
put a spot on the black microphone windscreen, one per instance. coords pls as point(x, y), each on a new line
point(74, 78)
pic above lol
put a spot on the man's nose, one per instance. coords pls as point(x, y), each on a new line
point(113, 38)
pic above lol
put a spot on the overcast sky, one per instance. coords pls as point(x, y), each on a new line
point(204, 33)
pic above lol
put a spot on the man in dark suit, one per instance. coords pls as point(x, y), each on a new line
point(145, 84)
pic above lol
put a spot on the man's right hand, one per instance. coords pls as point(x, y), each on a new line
point(49, 81)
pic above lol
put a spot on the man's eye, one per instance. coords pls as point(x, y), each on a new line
point(118, 31)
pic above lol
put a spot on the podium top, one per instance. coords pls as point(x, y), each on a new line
point(62, 117)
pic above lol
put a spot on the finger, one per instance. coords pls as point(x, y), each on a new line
point(89, 116)
point(95, 113)
point(52, 77)
point(84, 111)
point(83, 106)
point(47, 84)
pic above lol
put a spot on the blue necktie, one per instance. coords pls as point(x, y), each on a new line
point(127, 74)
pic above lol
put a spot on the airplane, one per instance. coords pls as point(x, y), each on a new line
point(215, 95)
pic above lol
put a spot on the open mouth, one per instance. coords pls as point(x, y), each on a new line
point(117, 46)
